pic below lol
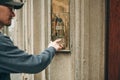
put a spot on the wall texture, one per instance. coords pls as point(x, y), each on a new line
point(87, 38)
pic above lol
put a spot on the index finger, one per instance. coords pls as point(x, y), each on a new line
point(58, 40)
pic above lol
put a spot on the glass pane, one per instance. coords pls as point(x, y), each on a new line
point(60, 27)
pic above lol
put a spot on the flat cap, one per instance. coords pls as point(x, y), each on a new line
point(12, 3)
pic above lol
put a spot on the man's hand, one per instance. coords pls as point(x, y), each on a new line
point(56, 44)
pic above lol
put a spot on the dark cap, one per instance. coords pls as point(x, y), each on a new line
point(12, 3)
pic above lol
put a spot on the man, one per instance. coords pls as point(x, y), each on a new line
point(14, 60)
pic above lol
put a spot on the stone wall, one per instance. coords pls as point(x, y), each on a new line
point(87, 39)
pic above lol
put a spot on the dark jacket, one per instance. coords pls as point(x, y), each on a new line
point(14, 60)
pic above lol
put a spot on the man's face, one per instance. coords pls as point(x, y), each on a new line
point(6, 15)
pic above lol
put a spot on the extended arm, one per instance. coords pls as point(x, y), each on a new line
point(14, 60)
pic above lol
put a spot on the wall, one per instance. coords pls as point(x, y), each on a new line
point(87, 38)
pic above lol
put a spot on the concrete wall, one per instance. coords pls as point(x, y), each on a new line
point(87, 37)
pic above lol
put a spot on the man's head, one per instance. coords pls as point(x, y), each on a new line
point(6, 11)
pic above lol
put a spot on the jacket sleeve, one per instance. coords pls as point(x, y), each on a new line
point(14, 60)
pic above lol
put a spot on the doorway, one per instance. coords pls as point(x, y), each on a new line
point(113, 40)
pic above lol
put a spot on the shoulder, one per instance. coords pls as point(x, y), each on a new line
point(5, 40)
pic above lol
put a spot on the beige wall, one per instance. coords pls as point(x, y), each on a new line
point(87, 37)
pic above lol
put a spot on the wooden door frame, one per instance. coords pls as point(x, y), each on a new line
point(107, 12)
point(109, 25)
